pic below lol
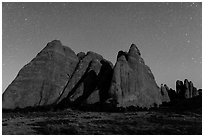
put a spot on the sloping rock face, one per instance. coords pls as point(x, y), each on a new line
point(42, 81)
point(133, 83)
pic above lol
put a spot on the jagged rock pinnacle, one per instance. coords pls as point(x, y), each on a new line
point(134, 50)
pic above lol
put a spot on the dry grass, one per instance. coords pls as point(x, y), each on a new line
point(71, 122)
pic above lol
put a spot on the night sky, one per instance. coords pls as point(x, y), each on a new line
point(169, 35)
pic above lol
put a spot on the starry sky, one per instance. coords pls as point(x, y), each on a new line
point(169, 35)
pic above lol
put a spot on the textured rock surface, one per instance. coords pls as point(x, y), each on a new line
point(164, 93)
point(133, 83)
point(40, 82)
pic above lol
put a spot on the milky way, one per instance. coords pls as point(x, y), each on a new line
point(167, 34)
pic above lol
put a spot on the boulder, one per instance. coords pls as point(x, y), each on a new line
point(42, 81)
point(133, 83)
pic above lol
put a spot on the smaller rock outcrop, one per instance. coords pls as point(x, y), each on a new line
point(164, 93)
point(186, 90)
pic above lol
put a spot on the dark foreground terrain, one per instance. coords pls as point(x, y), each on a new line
point(80, 122)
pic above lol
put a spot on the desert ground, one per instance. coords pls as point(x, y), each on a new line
point(72, 122)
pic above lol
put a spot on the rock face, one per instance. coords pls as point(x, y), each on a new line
point(164, 93)
point(133, 83)
point(41, 82)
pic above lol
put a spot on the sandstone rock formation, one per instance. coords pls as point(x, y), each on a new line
point(186, 90)
point(133, 83)
point(41, 82)
point(57, 77)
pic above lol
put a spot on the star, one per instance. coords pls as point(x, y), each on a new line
point(188, 41)
point(193, 59)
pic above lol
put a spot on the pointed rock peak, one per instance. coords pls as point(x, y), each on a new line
point(179, 83)
point(55, 42)
point(186, 81)
point(53, 45)
point(122, 55)
point(81, 55)
point(134, 50)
